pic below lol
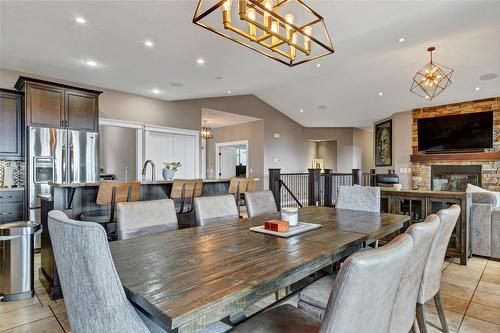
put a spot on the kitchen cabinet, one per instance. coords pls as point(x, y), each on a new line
point(81, 110)
point(56, 105)
point(11, 125)
point(11, 205)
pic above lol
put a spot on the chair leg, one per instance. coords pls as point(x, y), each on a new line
point(414, 328)
point(421, 318)
point(440, 309)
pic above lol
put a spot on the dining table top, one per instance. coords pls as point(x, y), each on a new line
point(189, 278)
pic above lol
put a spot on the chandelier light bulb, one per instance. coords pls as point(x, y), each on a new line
point(290, 18)
point(227, 5)
point(252, 14)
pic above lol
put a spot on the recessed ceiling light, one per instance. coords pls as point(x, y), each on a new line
point(401, 40)
point(229, 91)
point(149, 43)
point(322, 107)
point(200, 61)
point(177, 84)
point(380, 93)
point(301, 110)
point(318, 65)
point(427, 97)
point(80, 20)
point(477, 88)
point(156, 91)
point(487, 77)
point(91, 63)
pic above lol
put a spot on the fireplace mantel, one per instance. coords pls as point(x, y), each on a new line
point(479, 156)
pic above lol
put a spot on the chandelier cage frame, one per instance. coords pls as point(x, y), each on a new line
point(270, 50)
point(417, 85)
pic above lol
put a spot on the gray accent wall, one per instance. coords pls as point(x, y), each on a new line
point(327, 150)
point(118, 151)
point(401, 147)
point(290, 151)
point(254, 133)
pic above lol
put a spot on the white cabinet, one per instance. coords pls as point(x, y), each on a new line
point(171, 145)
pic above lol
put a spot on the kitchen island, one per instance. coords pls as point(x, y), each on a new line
point(77, 198)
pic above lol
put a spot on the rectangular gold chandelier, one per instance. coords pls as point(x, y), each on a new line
point(298, 36)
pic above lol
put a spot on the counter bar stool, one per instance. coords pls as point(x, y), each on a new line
point(361, 300)
point(183, 189)
point(109, 194)
point(431, 278)
point(238, 186)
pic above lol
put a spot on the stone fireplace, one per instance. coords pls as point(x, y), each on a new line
point(454, 177)
point(452, 171)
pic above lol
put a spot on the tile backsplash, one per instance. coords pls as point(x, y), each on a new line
point(19, 171)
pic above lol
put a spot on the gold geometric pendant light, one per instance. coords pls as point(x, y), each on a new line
point(431, 80)
point(288, 31)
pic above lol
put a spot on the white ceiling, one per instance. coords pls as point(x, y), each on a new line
point(42, 38)
point(216, 119)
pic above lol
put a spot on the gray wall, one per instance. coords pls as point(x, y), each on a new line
point(344, 138)
point(254, 133)
point(124, 106)
point(327, 151)
point(401, 147)
point(363, 150)
point(290, 151)
point(117, 151)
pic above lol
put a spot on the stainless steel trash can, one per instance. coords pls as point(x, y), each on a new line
point(16, 260)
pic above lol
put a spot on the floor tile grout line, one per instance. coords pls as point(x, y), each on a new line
point(57, 319)
point(31, 322)
point(473, 294)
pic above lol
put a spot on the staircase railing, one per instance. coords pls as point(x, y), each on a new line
point(313, 188)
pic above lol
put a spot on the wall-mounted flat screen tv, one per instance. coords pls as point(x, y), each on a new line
point(464, 132)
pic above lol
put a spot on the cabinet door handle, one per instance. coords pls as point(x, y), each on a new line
point(6, 213)
point(6, 197)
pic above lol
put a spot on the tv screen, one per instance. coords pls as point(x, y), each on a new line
point(472, 131)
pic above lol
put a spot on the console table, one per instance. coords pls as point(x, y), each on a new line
point(419, 204)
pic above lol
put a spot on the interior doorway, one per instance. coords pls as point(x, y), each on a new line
point(231, 159)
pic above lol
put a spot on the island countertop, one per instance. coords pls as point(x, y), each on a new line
point(144, 182)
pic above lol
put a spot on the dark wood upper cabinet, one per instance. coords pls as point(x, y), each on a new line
point(11, 125)
point(44, 105)
point(56, 105)
point(81, 110)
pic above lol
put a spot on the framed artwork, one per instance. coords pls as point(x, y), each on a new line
point(383, 144)
point(317, 164)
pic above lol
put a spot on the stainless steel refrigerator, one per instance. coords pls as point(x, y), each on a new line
point(59, 156)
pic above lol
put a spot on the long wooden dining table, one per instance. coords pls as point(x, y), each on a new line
point(186, 279)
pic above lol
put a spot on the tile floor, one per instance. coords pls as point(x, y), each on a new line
point(471, 297)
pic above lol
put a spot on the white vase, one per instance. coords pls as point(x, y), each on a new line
point(168, 174)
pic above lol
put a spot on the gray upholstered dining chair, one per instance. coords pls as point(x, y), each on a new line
point(404, 309)
point(260, 203)
point(215, 209)
point(361, 299)
point(431, 277)
point(363, 198)
point(314, 298)
point(141, 218)
point(93, 294)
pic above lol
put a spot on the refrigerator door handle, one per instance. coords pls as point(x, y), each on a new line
point(71, 164)
point(63, 158)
